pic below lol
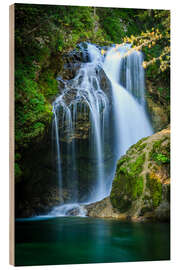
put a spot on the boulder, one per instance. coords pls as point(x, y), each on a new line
point(141, 187)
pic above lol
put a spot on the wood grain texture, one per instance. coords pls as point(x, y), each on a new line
point(11, 139)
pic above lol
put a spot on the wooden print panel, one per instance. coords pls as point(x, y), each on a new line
point(92, 160)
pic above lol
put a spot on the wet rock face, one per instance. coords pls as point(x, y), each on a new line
point(105, 84)
point(68, 87)
point(72, 61)
point(157, 105)
point(158, 114)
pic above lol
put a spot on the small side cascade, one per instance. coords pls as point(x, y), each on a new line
point(132, 75)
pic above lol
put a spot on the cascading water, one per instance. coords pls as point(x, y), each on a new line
point(120, 111)
point(131, 121)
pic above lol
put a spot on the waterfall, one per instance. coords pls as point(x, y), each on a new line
point(117, 113)
point(131, 121)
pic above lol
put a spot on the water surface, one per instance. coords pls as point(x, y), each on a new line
point(76, 240)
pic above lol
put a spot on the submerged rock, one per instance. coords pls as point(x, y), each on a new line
point(141, 187)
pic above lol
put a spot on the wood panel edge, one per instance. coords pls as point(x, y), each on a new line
point(11, 136)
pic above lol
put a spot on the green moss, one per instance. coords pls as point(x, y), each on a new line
point(128, 184)
point(139, 144)
point(135, 168)
point(119, 194)
point(123, 160)
point(155, 187)
point(122, 170)
point(157, 144)
point(161, 158)
point(141, 147)
point(137, 187)
point(125, 190)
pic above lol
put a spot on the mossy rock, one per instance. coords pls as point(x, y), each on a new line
point(128, 183)
point(160, 152)
point(142, 181)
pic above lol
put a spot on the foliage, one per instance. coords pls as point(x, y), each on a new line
point(162, 158)
point(159, 36)
point(32, 110)
point(118, 23)
point(147, 30)
point(160, 152)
